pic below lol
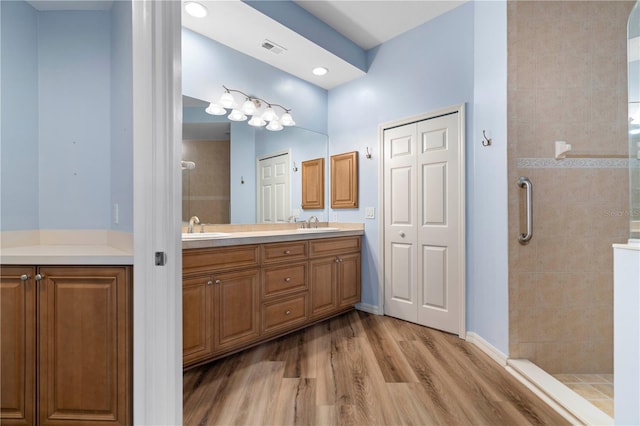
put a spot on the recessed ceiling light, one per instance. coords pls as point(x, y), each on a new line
point(195, 9)
point(320, 70)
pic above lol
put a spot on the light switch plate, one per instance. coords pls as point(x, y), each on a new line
point(370, 213)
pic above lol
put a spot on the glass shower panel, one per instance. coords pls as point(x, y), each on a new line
point(633, 57)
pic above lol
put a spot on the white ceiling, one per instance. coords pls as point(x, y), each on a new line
point(370, 23)
point(366, 23)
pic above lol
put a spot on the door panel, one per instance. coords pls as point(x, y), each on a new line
point(17, 351)
point(434, 195)
point(439, 233)
point(197, 318)
point(400, 231)
point(434, 263)
point(274, 189)
point(82, 308)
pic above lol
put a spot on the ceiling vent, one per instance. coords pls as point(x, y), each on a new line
point(273, 47)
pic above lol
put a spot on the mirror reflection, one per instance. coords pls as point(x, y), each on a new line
point(239, 174)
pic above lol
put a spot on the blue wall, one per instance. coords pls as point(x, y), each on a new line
point(74, 130)
point(19, 118)
point(487, 277)
point(67, 136)
point(122, 115)
point(427, 68)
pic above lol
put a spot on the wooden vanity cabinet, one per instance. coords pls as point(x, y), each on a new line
point(18, 348)
point(335, 274)
point(83, 359)
point(236, 309)
point(235, 297)
point(197, 318)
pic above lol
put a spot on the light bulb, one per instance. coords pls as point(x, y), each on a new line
point(248, 107)
point(215, 109)
point(287, 120)
point(274, 126)
point(226, 100)
point(256, 121)
point(269, 114)
point(195, 9)
point(237, 115)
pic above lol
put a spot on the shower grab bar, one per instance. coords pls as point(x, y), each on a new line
point(524, 182)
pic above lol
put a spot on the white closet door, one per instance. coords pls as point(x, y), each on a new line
point(424, 252)
point(273, 189)
point(400, 223)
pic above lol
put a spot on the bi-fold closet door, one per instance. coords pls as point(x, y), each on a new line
point(424, 222)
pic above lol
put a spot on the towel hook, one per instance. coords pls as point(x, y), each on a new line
point(486, 141)
point(368, 154)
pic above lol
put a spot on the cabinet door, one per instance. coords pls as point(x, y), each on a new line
point(349, 279)
point(84, 346)
point(313, 184)
point(236, 308)
point(344, 180)
point(17, 351)
point(197, 318)
point(323, 286)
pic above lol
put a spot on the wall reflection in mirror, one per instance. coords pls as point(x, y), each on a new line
point(230, 169)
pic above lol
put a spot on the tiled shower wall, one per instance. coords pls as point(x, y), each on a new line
point(206, 191)
point(566, 82)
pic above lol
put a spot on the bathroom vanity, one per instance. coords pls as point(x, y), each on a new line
point(66, 316)
point(249, 287)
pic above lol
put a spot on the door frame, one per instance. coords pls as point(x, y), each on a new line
point(259, 179)
point(460, 110)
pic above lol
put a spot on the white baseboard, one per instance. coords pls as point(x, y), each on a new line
point(372, 309)
point(487, 348)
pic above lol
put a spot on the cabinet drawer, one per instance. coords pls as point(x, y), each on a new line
point(219, 258)
point(284, 313)
point(283, 279)
point(329, 246)
point(279, 252)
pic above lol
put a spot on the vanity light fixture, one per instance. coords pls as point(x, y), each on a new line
point(251, 107)
point(195, 9)
point(320, 71)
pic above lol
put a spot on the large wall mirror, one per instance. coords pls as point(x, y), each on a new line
point(227, 169)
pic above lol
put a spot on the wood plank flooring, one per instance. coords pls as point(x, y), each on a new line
point(361, 369)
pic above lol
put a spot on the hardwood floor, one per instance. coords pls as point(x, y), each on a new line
point(361, 369)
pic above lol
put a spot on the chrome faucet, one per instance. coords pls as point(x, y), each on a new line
point(192, 221)
point(313, 219)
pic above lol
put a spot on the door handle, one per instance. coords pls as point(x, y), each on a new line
point(525, 183)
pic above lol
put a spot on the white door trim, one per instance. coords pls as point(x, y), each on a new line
point(157, 135)
point(460, 109)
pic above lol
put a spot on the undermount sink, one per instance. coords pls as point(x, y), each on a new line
point(321, 229)
point(203, 235)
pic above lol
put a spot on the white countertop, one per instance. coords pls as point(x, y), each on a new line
point(65, 255)
point(270, 236)
point(66, 247)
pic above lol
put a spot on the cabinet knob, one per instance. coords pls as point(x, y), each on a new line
point(209, 282)
point(39, 277)
point(288, 312)
point(287, 252)
point(287, 279)
point(401, 234)
point(218, 281)
point(337, 260)
point(24, 277)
